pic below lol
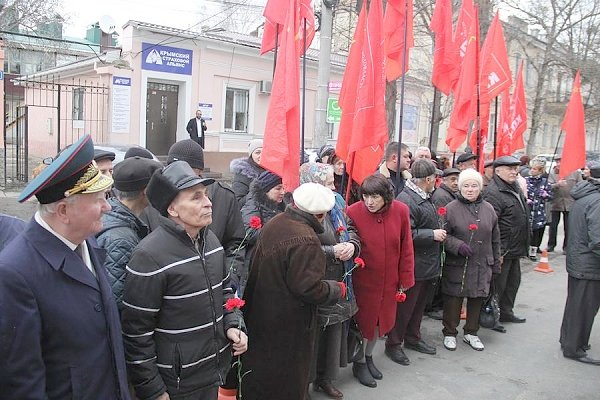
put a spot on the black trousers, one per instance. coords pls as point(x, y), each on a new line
point(452, 307)
point(507, 285)
point(536, 237)
point(554, 228)
point(409, 315)
point(583, 301)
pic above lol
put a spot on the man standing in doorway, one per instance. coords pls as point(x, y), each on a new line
point(196, 127)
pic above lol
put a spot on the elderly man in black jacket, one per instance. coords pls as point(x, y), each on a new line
point(583, 266)
point(508, 200)
point(427, 235)
point(179, 336)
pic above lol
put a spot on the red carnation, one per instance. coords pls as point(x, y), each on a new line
point(359, 262)
point(255, 222)
point(473, 227)
point(340, 230)
point(441, 211)
point(234, 303)
point(400, 296)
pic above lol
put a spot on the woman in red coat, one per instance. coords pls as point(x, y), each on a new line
point(383, 225)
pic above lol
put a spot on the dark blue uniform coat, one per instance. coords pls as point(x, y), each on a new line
point(60, 335)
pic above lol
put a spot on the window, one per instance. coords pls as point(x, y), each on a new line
point(78, 96)
point(236, 109)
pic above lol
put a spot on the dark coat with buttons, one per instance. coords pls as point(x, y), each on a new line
point(60, 336)
point(423, 220)
point(484, 241)
point(513, 216)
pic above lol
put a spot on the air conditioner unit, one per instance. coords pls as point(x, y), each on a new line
point(265, 87)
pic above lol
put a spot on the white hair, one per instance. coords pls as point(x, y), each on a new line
point(50, 208)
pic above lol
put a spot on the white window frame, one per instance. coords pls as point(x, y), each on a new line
point(251, 89)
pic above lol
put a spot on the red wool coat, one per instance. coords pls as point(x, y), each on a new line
point(387, 250)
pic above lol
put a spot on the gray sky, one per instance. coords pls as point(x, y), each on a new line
point(182, 14)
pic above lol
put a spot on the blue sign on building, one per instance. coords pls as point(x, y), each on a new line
point(166, 59)
point(121, 81)
point(1, 75)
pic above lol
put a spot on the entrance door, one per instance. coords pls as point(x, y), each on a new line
point(161, 117)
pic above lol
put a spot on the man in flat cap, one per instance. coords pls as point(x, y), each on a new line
point(505, 195)
point(284, 288)
point(179, 338)
point(583, 267)
point(466, 161)
point(488, 172)
point(122, 229)
point(104, 160)
point(60, 336)
point(448, 189)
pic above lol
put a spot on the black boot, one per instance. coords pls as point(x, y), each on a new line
point(375, 373)
point(361, 372)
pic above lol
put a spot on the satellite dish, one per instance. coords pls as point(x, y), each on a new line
point(107, 24)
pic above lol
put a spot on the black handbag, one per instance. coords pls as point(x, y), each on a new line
point(489, 316)
point(355, 342)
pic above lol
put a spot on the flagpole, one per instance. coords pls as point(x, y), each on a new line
point(433, 115)
point(402, 81)
point(276, 47)
point(555, 149)
point(303, 95)
point(495, 126)
point(478, 121)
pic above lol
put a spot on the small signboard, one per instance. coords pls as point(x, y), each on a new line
point(207, 111)
point(1, 75)
point(334, 86)
point(334, 112)
point(121, 104)
point(166, 59)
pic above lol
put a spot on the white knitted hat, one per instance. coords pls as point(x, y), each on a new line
point(470, 174)
point(313, 198)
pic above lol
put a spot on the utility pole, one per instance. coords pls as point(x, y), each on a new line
point(326, 28)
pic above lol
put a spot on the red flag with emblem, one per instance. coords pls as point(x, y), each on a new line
point(573, 154)
point(281, 148)
point(465, 91)
point(445, 55)
point(495, 71)
point(398, 16)
point(513, 119)
point(363, 128)
point(275, 12)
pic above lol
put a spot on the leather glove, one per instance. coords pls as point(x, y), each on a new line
point(343, 289)
point(465, 250)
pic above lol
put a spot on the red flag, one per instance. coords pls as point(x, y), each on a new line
point(495, 71)
point(398, 13)
point(573, 155)
point(484, 122)
point(446, 60)
point(513, 119)
point(281, 148)
point(363, 128)
point(465, 92)
point(461, 35)
point(275, 13)
point(503, 144)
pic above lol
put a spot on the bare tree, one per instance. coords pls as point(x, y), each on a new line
point(28, 15)
point(564, 25)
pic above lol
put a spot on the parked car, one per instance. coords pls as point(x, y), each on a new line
point(119, 150)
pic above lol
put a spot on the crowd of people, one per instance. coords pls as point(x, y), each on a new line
point(144, 281)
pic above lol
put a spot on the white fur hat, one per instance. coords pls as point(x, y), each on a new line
point(313, 198)
point(470, 174)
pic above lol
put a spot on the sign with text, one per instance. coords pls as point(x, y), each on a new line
point(207, 111)
point(1, 75)
point(166, 59)
point(121, 104)
point(334, 86)
point(334, 112)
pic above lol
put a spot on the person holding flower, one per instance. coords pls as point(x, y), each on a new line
point(265, 201)
point(539, 192)
point(341, 245)
point(387, 250)
point(472, 257)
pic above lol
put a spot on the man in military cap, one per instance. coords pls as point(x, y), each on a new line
point(60, 336)
point(505, 195)
point(122, 229)
point(466, 161)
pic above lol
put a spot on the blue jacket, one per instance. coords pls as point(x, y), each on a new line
point(60, 336)
point(121, 232)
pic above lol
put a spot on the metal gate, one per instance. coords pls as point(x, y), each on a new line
point(44, 115)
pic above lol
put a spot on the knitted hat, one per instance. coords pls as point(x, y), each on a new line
point(254, 145)
point(267, 181)
point(313, 198)
point(139, 152)
point(315, 172)
point(166, 183)
point(422, 168)
point(134, 173)
point(189, 151)
point(470, 174)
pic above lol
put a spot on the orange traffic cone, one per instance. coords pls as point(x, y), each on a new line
point(227, 394)
point(543, 265)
